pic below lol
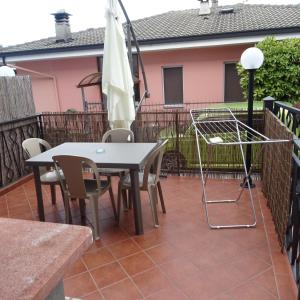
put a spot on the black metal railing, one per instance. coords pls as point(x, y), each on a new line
point(74, 127)
point(293, 228)
point(12, 156)
point(290, 117)
point(150, 126)
point(181, 152)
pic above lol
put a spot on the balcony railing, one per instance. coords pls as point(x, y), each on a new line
point(175, 124)
point(290, 223)
point(12, 157)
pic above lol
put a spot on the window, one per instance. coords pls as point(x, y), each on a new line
point(233, 91)
point(173, 85)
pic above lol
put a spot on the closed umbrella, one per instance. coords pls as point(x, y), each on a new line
point(117, 83)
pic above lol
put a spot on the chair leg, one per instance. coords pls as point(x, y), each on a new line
point(162, 202)
point(129, 199)
point(119, 202)
point(53, 194)
point(125, 199)
point(152, 191)
point(67, 210)
point(82, 207)
point(94, 204)
point(112, 198)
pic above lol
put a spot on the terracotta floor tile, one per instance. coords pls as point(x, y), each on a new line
point(124, 248)
point(113, 235)
point(286, 287)
point(179, 269)
point(79, 285)
point(22, 216)
point(98, 257)
point(3, 204)
point(19, 210)
point(222, 296)
point(198, 263)
point(149, 239)
point(124, 290)
point(93, 296)
point(266, 280)
point(199, 287)
point(108, 274)
point(249, 292)
point(281, 264)
point(168, 294)
point(249, 266)
point(4, 213)
point(151, 281)
point(163, 253)
point(76, 268)
point(226, 278)
point(136, 263)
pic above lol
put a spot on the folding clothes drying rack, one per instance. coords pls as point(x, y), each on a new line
point(220, 127)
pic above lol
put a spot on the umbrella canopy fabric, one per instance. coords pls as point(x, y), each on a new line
point(117, 83)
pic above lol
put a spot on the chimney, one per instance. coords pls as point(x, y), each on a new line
point(214, 4)
point(62, 26)
point(204, 8)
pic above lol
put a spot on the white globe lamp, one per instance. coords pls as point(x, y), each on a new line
point(252, 58)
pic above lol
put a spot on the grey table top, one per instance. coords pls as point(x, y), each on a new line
point(109, 155)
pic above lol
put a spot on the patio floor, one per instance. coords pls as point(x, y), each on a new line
point(183, 258)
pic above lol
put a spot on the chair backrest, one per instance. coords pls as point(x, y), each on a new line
point(153, 163)
point(118, 135)
point(33, 146)
point(73, 170)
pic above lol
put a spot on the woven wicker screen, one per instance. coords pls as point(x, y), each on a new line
point(277, 168)
point(16, 100)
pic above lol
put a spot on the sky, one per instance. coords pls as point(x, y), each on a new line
point(28, 20)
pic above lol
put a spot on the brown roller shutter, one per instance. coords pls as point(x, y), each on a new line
point(173, 85)
point(233, 91)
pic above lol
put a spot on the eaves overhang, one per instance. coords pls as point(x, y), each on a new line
point(223, 35)
point(185, 42)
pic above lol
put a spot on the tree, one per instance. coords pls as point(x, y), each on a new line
point(279, 75)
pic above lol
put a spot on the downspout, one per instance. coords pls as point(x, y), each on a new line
point(42, 75)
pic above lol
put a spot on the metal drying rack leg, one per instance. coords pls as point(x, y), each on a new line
point(204, 194)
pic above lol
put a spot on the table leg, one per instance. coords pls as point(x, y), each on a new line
point(39, 195)
point(137, 209)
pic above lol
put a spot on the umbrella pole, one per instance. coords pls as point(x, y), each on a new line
point(129, 49)
point(146, 94)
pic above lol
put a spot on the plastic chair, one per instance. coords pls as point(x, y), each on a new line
point(76, 185)
point(149, 181)
point(33, 147)
point(117, 135)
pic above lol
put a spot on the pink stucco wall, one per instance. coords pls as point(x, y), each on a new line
point(203, 76)
point(203, 72)
point(62, 95)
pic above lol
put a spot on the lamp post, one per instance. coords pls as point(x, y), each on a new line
point(251, 60)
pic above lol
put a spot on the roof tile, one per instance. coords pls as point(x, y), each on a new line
point(184, 24)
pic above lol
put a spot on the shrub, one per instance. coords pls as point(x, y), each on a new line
point(279, 75)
